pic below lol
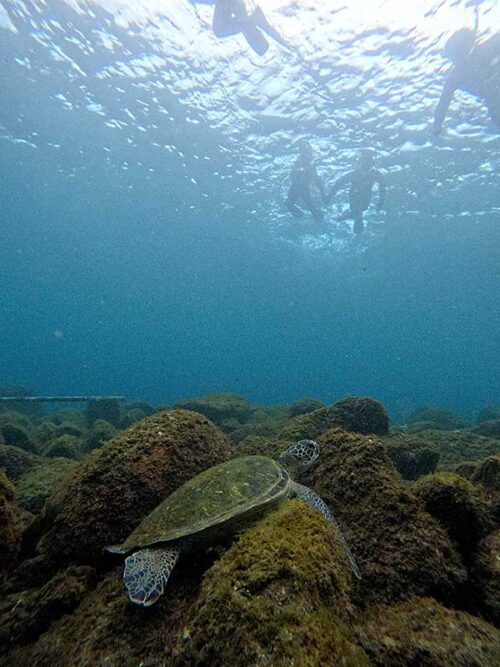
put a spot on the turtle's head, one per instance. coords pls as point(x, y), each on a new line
point(299, 457)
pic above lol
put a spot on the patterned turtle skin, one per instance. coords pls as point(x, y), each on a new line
point(216, 498)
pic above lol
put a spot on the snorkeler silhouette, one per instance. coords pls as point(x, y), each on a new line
point(304, 178)
point(476, 69)
point(361, 181)
point(232, 17)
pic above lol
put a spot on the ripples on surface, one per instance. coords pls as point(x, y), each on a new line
point(145, 89)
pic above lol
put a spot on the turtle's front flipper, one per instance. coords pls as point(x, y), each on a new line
point(311, 498)
point(147, 572)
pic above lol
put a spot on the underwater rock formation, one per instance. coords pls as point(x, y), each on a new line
point(356, 414)
point(23, 618)
point(101, 431)
point(41, 481)
point(305, 405)
point(401, 550)
point(66, 446)
point(117, 485)
point(220, 407)
point(360, 414)
point(280, 594)
point(422, 632)
point(103, 408)
point(411, 455)
point(16, 461)
point(459, 508)
point(10, 522)
point(17, 436)
point(488, 429)
point(486, 577)
point(434, 417)
point(488, 413)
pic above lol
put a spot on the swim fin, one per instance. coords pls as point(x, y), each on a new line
point(256, 40)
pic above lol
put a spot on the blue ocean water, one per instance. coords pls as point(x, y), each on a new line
point(146, 246)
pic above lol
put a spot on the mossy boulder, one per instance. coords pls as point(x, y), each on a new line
point(67, 446)
point(486, 577)
point(129, 417)
point(256, 444)
point(402, 550)
point(69, 428)
point(423, 633)
point(17, 436)
point(279, 596)
point(304, 405)
point(65, 416)
point(104, 629)
point(42, 481)
point(360, 414)
point(103, 408)
point(24, 617)
point(44, 433)
point(355, 413)
point(459, 508)
point(10, 523)
point(440, 417)
point(488, 474)
point(116, 486)
point(488, 429)
point(488, 413)
point(457, 446)
point(15, 461)
point(466, 469)
point(219, 407)
point(101, 431)
point(411, 455)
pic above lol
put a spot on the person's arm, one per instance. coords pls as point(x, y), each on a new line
point(338, 185)
point(381, 190)
point(444, 102)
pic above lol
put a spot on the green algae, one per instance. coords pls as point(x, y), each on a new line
point(279, 596)
point(401, 550)
point(423, 633)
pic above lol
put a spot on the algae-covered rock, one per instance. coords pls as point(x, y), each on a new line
point(466, 469)
point(457, 446)
point(401, 549)
point(355, 413)
point(458, 507)
point(17, 436)
point(117, 485)
point(488, 429)
point(219, 407)
point(101, 431)
point(360, 414)
point(440, 417)
point(10, 522)
point(23, 617)
point(486, 578)
point(411, 455)
point(105, 630)
point(44, 433)
point(103, 408)
point(16, 461)
point(129, 417)
point(304, 405)
point(488, 474)
point(279, 596)
point(422, 633)
point(42, 481)
point(67, 446)
point(255, 444)
point(488, 413)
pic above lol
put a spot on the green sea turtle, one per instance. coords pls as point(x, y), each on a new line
point(212, 504)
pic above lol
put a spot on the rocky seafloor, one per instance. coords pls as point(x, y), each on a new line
point(419, 505)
